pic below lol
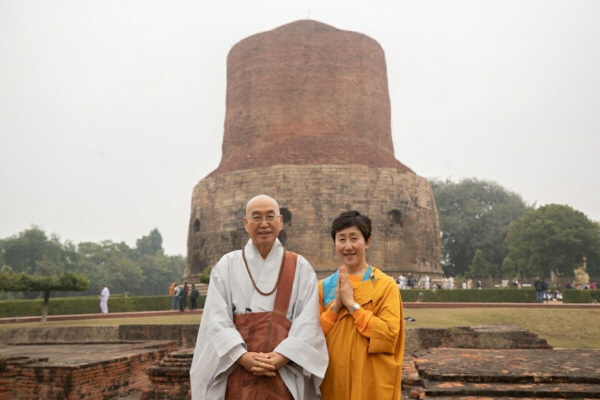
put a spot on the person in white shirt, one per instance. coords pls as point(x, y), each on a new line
point(104, 294)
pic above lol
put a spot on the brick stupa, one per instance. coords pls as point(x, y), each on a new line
point(308, 123)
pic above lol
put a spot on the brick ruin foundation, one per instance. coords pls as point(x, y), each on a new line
point(90, 371)
point(132, 360)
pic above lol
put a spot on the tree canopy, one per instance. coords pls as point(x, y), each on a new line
point(475, 215)
point(23, 282)
point(32, 252)
point(143, 270)
point(554, 238)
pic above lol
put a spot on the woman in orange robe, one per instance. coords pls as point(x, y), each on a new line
point(361, 316)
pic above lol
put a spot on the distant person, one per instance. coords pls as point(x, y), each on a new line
point(540, 286)
point(183, 297)
point(260, 336)
point(569, 285)
point(410, 281)
point(172, 294)
point(545, 287)
point(362, 318)
point(194, 297)
point(176, 292)
point(104, 295)
point(402, 279)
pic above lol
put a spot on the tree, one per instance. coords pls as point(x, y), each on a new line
point(474, 214)
point(509, 268)
point(480, 267)
point(205, 275)
point(150, 244)
point(159, 271)
point(32, 252)
point(23, 282)
point(553, 238)
point(112, 264)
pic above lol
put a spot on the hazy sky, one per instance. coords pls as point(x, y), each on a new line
point(111, 111)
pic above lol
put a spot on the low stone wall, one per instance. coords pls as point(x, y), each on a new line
point(60, 334)
point(496, 337)
point(478, 337)
point(183, 335)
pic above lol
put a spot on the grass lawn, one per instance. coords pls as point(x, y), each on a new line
point(562, 328)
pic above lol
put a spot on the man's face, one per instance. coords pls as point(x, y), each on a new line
point(262, 221)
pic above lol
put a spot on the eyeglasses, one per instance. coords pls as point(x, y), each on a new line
point(259, 218)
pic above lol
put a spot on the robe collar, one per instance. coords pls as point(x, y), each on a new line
point(264, 272)
point(362, 293)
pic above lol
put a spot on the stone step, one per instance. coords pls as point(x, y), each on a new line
point(162, 371)
point(178, 360)
point(517, 390)
point(181, 359)
point(174, 364)
point(183, 354)
point(512, 378)
point(406, 397)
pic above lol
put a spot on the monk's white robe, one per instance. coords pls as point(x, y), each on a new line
point(219, 344)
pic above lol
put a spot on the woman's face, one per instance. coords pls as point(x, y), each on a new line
point(351, 248)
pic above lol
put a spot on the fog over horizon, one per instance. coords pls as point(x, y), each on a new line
point(111, 112)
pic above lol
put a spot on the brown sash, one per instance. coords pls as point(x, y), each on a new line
point(262, 332)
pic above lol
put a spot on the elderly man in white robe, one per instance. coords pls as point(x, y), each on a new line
point(244, 282)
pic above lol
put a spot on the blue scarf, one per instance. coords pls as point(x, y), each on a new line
point(330, 285)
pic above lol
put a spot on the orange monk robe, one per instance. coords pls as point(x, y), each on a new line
point(366, 348)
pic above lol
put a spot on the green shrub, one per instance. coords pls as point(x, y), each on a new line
point(87, 305)
point(581, 296)
point(469, 295)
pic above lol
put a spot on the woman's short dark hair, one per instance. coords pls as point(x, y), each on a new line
point(351, 218)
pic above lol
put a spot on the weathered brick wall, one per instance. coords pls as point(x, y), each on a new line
point(418, 339)
point(59, 334)
point(183, 335)
point(307, 93)
point(30, 378)
point(496, 337)
point(400, 204)
point(482, 337)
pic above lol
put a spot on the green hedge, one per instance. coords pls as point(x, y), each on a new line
point(90, 304)
point(581, 296)
point(469, 295)
point(87, 305)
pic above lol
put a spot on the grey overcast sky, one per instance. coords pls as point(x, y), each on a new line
point(111, 111)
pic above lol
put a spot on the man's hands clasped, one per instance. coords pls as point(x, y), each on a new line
point(264, 364)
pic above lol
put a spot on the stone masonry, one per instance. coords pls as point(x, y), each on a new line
point(308, 123)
